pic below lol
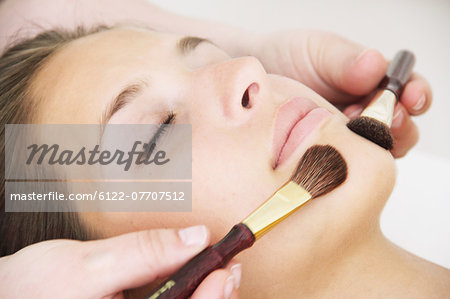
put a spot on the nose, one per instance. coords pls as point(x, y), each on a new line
point(234, 88)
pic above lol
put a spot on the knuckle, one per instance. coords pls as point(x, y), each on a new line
point(152, 248)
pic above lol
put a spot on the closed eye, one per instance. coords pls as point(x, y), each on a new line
point(170, 118)
point(162, 128)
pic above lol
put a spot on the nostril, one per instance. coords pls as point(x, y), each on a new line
point(246, 101)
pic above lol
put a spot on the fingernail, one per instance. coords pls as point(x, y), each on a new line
point(355, 113)
point(420, 103)
point(398, 118)
point(229, 286)
point(359, 57)
point(236, 272)
point(194, 235)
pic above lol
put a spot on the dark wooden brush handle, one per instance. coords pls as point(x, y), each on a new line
point(399, 72)
point(184, 282)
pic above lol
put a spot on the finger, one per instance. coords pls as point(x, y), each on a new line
point(404, 132)
point(417, 96)
point(345, 67)
point(131, 260)
point(232, 264)
point(353, 111)
point(235, 269)
point(221, 284)
point(362, 75)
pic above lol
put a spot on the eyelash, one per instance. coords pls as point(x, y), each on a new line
point(170, 118)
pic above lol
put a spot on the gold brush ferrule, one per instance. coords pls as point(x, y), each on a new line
point(382, 107)
point(283, 203)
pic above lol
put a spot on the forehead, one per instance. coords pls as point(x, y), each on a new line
point(86, 73)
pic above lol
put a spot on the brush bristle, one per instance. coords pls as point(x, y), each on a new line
point(321, 169)
point(373, 130)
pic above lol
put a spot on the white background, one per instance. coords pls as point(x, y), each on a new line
point(417, 217)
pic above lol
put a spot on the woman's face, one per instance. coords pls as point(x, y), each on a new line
point(246, 135)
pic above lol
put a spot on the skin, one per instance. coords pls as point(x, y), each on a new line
point(315, 252)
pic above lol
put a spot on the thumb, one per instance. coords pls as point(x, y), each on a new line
point(344, 66)
point(134, 259)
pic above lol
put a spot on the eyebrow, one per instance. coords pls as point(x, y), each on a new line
point(125, 96)
point(189, 43)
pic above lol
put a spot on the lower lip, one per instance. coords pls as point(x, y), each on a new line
point(301, 130)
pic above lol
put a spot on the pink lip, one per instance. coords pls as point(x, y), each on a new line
point(295, 120)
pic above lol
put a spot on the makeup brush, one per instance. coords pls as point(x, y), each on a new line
point(320, 170)
point(375, 121)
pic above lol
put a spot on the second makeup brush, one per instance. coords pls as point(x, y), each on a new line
point(375, 121)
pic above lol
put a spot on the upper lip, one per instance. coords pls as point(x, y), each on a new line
point(288, 115)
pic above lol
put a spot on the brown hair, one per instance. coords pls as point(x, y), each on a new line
point(18, 65)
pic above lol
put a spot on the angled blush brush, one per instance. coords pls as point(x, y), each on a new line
point(320, 170)
point(375, 121)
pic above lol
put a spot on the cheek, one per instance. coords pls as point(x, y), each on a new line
point(371, 175)
point(229, 178)
point(221, 178)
